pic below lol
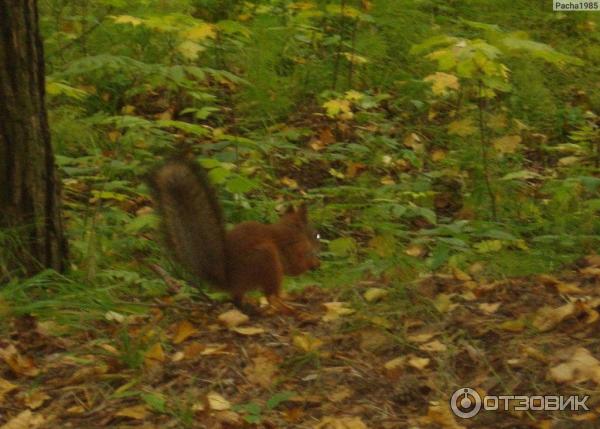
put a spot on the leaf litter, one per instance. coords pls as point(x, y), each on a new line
point(375, 362)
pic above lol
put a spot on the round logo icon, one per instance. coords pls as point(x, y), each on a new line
point(465, 403)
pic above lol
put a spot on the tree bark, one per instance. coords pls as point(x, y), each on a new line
point(31, 230)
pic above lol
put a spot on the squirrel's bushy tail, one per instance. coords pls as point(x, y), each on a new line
point(192, 219)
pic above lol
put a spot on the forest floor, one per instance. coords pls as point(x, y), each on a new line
point(374, 357)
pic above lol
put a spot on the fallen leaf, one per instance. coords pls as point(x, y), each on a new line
point(340, 394)
point(262, 372)
point(489, 308)
point(217, 402)
point(184, 330)
point(6, 387)
point(35, 399)
point(24, 420)
point(340, 423)
point(375, 294)
point(154, 355)
point(580, 367)
point(136, 412)
point(433, 346)
point(233, 318)
point(440, 413)
point(547, 318)
point(418, 363)
point(335, 310)
point(19, 364)
point(306, 342)
point(420, 338)
point(248, 330)
point(517, 325)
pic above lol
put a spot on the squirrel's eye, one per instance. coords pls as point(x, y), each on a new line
point(317, 236)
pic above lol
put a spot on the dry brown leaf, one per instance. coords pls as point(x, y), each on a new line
point(580, 367)
point(35, 399)
point(183, 331)
point(6, 387)
point(217, 402)
point(155, 355)
point(335, 310)
point(19, 364)
point(489, 308)
point(418, 362)
point(340, 423)
point(443, 303)
point(568, 288)
point(340, 394)
point(395, 363)
point(591, 272)
point(517, 325)
point(593, 260)
point(248, 330)
point(24, 420)
point(433, 346)
point(233, 318)
point(421, 338)
point(262, 372)
point(547, 318)
point(136, 412)
point(306, 342)
point(440, 413)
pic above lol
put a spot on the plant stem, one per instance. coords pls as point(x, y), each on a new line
point(484, 155)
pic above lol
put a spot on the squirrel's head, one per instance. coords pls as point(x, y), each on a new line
point(303, 251)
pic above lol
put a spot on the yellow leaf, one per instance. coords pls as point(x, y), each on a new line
point(233, 318)
point(340, 423)
point(517, 325)
point(507, 144)
point(217, 402)
point(353, 95)
point(127, 19)
point(36, 399)
point(306, 342)
point(395, 363)
point(419, 363)
point(547, 318)
point(25, 420)
point(489, 308)
point(5, 387)
point(201, 32)
point(137, 412)
point(154, 355)
point(442, 82)
point(433, 346)
point(335, 310)
point(375, 294)
point(336, 107)
point(184, 330)
point(248, 330)
point(190, 49)
point(462, 128)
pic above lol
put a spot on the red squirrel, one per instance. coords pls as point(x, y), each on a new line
point(251, 256)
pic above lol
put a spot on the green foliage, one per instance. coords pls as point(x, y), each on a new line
point(401, 123)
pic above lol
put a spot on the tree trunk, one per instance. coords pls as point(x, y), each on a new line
point(31, 232)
